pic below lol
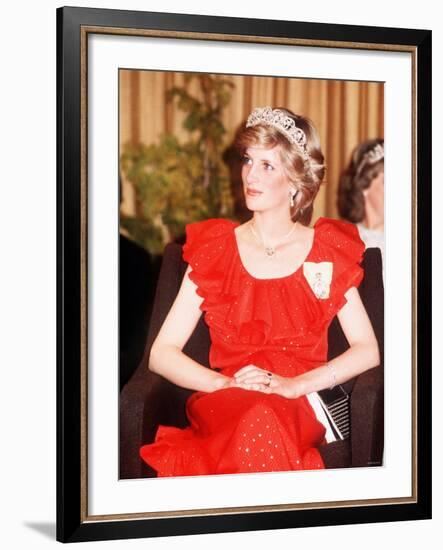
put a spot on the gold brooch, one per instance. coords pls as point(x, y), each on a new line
point(319, 277)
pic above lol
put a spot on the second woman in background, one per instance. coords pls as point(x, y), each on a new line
point(361, 192)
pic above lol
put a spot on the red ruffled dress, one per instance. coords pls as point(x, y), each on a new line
point(278, 324)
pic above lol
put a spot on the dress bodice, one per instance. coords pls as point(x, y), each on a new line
point(279, 324)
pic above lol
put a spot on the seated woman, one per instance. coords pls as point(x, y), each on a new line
point(269, 289)
point(361, 192)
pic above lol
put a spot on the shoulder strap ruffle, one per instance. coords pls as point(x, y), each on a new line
point(341, 241)
point(208, 250)
point(204, 241)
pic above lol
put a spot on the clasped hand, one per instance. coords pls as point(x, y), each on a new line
point(254, 378)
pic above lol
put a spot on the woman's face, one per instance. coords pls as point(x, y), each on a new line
point(375, 194)
point(265, 183)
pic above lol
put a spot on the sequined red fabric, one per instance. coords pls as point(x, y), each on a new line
point(278, 324)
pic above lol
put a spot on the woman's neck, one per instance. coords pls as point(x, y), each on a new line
point(373, 219)
point(272, 226)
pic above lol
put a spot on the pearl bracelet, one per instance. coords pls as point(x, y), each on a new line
point(332, 373)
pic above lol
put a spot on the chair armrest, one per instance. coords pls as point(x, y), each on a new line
point(367, 414)
point(146, 401)
point(140, 413)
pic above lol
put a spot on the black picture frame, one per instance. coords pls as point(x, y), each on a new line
point(73, 25)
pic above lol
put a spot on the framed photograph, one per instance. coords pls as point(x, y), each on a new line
point(150, 107)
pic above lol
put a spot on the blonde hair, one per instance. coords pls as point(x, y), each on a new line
point(304, 175)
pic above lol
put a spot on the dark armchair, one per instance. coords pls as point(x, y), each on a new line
point(148, 400)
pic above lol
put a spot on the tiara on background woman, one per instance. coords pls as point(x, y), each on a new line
point(283, 123)
point(376, 153)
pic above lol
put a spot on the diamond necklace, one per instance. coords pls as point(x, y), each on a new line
point(271, 250)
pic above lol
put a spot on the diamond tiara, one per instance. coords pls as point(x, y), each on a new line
point(376, 153)
point(283, 123)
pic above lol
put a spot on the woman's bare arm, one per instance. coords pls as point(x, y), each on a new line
point(166, 357)
point(362, 355)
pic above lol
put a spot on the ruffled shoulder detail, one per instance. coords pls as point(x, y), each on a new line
point(243, 309)
point(339, 242)
point(204, 241)
point(209, 250)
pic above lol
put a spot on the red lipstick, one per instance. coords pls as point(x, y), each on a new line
point(253, 192)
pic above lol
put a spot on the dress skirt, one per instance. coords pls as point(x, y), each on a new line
point(234, 430)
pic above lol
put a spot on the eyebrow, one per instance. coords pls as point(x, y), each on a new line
point(245, 154)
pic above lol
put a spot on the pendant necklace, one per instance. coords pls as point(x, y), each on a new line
point(271, 250)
